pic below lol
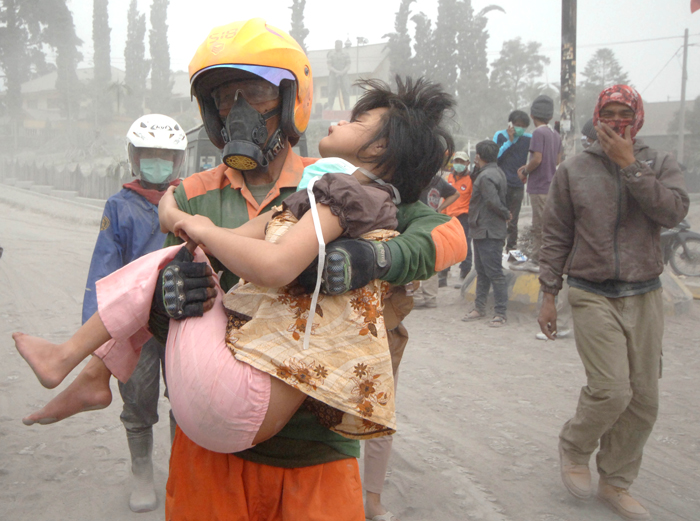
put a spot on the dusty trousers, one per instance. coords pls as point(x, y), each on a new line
point(142, 391)
point(619, 342)
point(537, 201)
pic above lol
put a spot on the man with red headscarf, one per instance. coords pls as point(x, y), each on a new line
point(602, 223)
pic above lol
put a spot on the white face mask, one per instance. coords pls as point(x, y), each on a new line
point(335, 165)
point(327, 165)
point(156, 170)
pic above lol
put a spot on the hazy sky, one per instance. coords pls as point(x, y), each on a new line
point(651, 64)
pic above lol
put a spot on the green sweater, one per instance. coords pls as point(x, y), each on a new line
point(303, 441)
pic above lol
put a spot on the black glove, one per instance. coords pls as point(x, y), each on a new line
point(350, 264)
point(182, 285)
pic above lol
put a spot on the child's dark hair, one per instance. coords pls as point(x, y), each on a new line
point(487, 150)
point(417, 144)
point(518, 116)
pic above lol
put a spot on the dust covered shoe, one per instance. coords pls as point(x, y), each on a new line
point(576, 478)
point(619, 501)
point(528, 265)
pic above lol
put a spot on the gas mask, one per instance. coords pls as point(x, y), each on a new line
point(245, 135)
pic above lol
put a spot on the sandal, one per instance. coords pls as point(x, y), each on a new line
point(472, 315)
point(497, 321)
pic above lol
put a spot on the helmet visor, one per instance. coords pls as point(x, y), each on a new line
point(254, 92)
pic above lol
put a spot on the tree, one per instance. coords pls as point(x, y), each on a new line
point(102, 65)
point(136, 66)
point(22, 55)
point(399, 43)
point(161, 84)
point(517, 66)
point(298, 31)
point(602, 71)
point(14, 38)
point(60, 34)
point(444, 45)
point(119, 90)
point(423, 47)
point(473, 83)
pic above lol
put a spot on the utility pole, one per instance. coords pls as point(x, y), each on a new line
point(681, 118)
point(568, 77)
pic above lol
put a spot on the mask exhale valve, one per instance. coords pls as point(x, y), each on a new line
point(245, 134)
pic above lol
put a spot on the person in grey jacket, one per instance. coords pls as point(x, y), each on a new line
point(602, 225)
point(488, 218)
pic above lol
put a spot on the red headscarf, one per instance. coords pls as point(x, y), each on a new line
point(627, 96)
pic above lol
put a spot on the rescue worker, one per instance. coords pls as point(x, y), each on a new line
point(254, 88)
point(156, 147)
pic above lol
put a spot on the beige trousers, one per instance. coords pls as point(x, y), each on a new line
point(378, 450)
point(537, 202)
point(619, 342)
point(428, 291)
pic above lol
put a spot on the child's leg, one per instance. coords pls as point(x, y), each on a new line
point(124, 299)
point(52, 362)
point(220, 403)
point(88, 392)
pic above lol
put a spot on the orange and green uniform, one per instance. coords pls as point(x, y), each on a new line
point(305, 472)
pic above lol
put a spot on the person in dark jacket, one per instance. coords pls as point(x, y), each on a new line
point(514, 146)
point(156, 147)
point(488, 217)
point(601, 226)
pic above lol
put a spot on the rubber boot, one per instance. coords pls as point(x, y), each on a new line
point(143, 492)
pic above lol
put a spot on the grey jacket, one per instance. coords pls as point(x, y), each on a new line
point(602, 222)
point(488, 212)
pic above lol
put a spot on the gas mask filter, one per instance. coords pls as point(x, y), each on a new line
point(245, 135)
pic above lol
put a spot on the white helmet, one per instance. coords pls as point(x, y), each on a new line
point(157, 149)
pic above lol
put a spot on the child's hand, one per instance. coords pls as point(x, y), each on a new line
point(165, 209)
point(193, 228)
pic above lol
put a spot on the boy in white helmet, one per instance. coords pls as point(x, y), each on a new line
point(156, 147)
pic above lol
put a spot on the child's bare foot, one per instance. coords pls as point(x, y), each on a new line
point(47, 360)
point(88, 392)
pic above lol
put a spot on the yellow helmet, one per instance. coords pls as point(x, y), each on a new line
point(254, 47)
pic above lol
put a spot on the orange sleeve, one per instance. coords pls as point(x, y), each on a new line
point(450, 244)
point(203, 182)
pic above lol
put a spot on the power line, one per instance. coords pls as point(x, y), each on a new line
point(662, 69)
point(637, 41)
point(557, 49)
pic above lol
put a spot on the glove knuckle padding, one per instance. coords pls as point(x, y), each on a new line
point(182, 286)
point(173, 291)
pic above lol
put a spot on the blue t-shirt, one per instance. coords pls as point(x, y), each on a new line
point(512, 155)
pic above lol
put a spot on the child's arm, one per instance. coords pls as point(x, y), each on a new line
point(264, 263)
point(169, 213)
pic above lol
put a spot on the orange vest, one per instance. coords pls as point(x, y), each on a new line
point(463, 185)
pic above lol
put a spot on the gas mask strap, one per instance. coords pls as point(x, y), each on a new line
point(397, 196)
point(272, 113)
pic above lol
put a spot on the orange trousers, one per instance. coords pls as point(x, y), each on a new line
point(211, 486)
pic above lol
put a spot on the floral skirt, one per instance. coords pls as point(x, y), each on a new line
point(346, 370)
